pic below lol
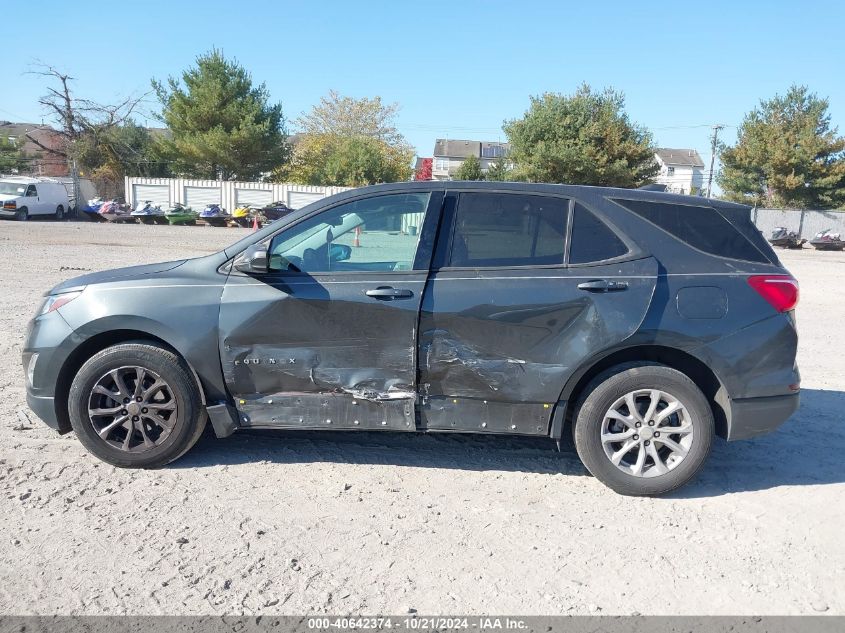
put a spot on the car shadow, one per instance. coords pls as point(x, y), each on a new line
point(435, 450)
point(805, 451)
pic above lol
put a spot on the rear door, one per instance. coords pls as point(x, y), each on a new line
point(524, 289)
point(328, 338)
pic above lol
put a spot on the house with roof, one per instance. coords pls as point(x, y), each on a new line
point(39, 161)
point(681, 170)
point(449, 154)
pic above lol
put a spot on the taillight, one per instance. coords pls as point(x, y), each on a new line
point(779, 290)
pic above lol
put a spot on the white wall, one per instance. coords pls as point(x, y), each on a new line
point(767, 220)
point(453, 164)
point(280, 191)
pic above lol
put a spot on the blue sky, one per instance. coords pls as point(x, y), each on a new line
point(458, 69)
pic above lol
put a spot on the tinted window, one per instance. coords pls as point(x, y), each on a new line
point(374, 234)
point(700, 227)
point(592, 239)
point(509, 230)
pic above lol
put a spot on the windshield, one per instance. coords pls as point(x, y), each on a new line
point(12, 188)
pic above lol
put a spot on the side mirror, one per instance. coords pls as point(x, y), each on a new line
point(253, 261)
point(340, 252)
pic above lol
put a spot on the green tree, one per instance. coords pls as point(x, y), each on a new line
point(221, 125)
point(350, 161)
point(107, 154)
point(470, 169)
point(347, 116)
point(12, 159)
point(349, 142)
point(787, 154)
point(501, 170)
point(586, 138)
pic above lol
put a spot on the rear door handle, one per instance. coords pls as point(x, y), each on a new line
point(603, 285)
point(386, 292)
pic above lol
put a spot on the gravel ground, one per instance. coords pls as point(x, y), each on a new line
point(376, 523)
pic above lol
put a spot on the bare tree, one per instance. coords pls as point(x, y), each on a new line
point(77, 118)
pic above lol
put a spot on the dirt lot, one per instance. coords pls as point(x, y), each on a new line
point(347, 523)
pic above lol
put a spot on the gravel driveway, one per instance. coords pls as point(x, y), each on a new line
point(378, 523)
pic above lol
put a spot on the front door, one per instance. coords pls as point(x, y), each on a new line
point(525, 290)
point(328, 338)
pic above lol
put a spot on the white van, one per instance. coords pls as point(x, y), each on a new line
point(22, 197)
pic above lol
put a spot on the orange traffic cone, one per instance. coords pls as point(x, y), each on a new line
point(254, 223)
point(357, 241)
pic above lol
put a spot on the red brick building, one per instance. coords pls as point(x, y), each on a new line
point(39, 162)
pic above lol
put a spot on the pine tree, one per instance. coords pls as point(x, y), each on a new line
point(586, 138)
point(221, 125)
point(787, 154)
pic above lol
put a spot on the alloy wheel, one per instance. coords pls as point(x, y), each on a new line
point(132, 409)
point(647, 433)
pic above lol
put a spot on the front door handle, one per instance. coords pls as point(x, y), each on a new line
point(603, 285)
point(386, 292)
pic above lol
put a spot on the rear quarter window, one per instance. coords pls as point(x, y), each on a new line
point(592, 239)
point(701, 227)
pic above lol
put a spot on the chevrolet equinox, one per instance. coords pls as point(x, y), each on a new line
point(643, 323)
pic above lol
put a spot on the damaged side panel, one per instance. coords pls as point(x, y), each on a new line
point(302, 351)
point(497, 346)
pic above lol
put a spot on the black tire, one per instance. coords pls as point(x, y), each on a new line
point(190, 418)
point(60, 213)
point(613, 384)
point(22, 215)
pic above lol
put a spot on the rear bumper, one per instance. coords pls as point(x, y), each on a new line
point(751, 417)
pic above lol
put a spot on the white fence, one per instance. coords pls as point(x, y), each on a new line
point(229, 195)
point(805, 223)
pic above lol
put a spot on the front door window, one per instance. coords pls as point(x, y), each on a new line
point(377, 234)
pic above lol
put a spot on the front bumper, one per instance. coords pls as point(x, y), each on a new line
point(45, 408)
point(53, 340)
point(751, 417)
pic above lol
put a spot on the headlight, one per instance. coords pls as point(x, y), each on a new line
point(54, 302)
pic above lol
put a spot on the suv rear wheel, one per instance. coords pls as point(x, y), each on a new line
point(136, 405)
point(643, 429)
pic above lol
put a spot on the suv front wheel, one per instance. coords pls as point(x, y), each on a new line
point(643, 429)
point(136, 405)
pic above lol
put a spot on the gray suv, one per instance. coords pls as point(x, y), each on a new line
point(642, 323)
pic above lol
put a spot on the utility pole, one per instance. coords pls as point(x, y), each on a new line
point(713, 143)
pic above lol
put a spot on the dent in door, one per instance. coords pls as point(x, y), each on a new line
point(293, 360)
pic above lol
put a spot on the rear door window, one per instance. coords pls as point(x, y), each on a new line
point(592, 239)
point(701, 227)
point(501, 230)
